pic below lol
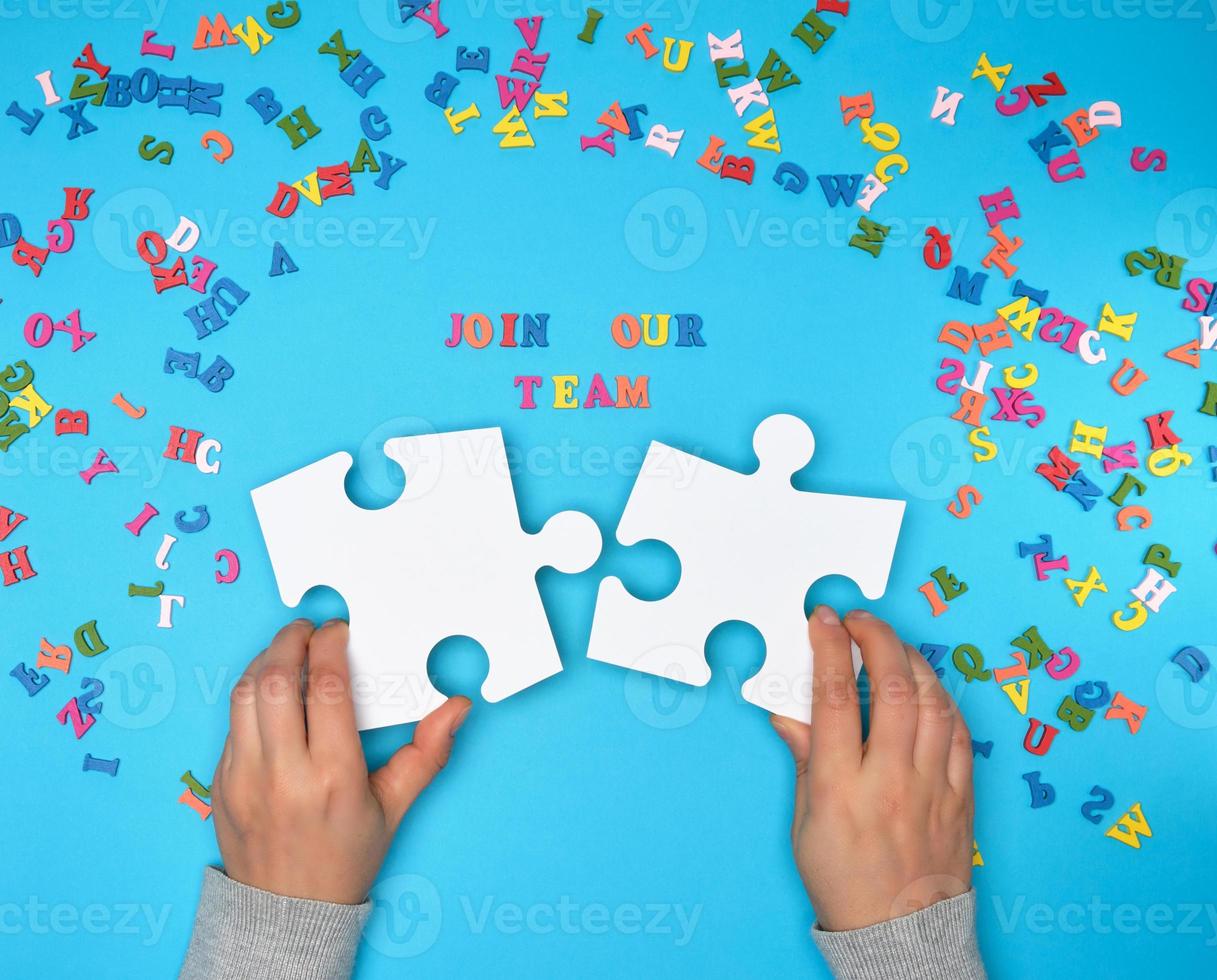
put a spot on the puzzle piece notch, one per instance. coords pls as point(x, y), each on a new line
point(447, 558)
point(749, 545)
point(568, 542)
point(649, 569)
point(565, 541)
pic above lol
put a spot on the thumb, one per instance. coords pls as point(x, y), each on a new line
point(797, 737)
point(398, 782)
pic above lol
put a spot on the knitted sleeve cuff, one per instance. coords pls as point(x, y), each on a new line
point(241, 932)
point(936, 943)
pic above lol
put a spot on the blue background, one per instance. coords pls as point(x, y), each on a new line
point(600, 788)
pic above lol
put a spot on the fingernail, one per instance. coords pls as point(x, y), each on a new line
point(302, 621)
point(780, 727)
point(859, 614)
point(460, 720)
point(335, 621)
point(828, 616)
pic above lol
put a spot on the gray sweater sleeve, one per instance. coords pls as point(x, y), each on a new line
point(242, 932)
point(936, 943)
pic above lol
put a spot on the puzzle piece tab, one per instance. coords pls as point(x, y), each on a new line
point(447, 558)
point(750, 545)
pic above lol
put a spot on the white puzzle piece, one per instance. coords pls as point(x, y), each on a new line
point(750, 546)
point(447, 558)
